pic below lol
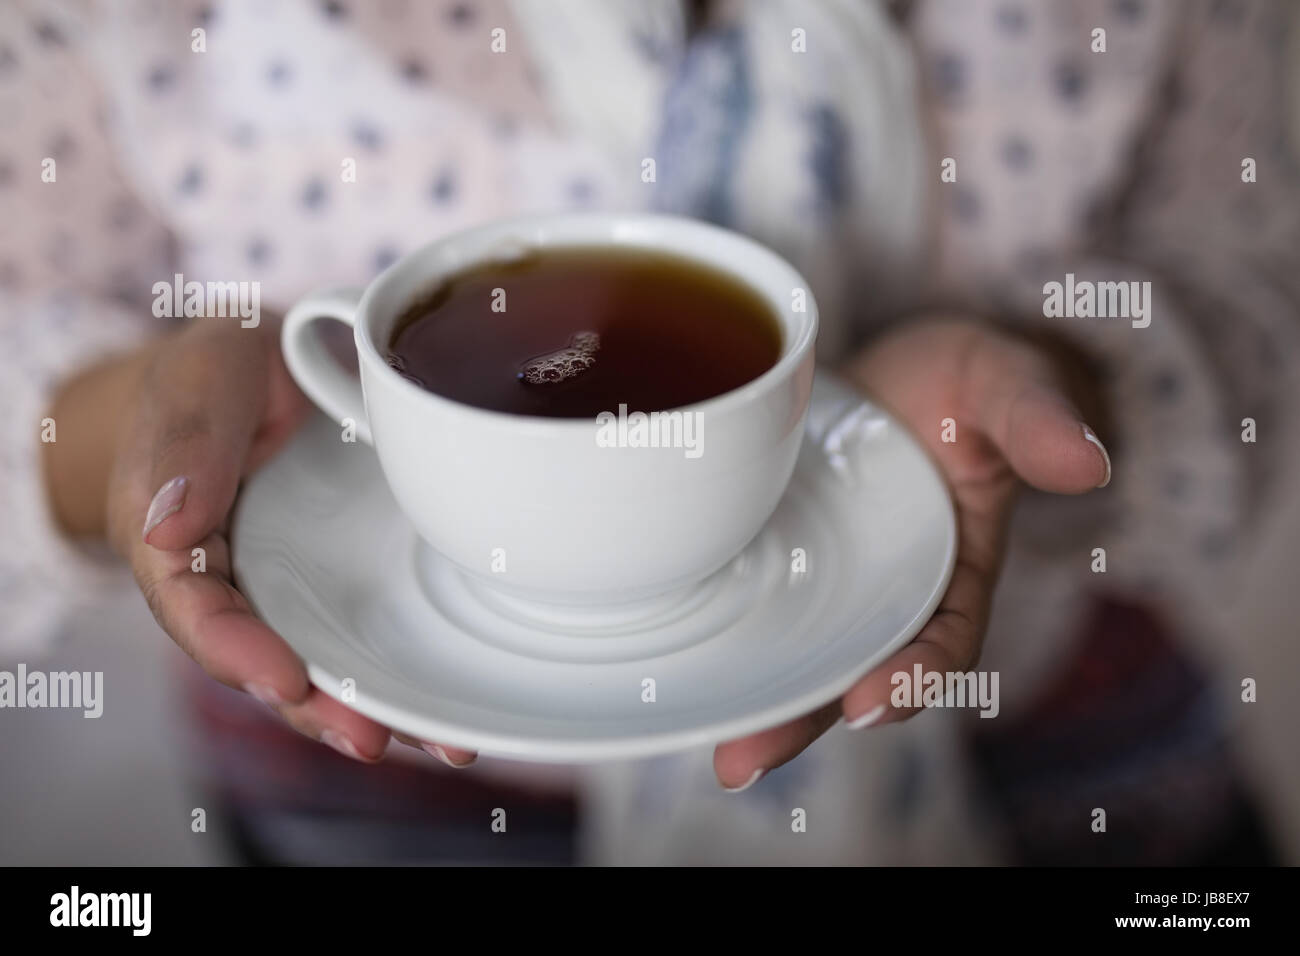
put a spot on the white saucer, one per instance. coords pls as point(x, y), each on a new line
point(324, 556)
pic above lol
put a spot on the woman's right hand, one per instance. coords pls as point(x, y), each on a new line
point(212, 404)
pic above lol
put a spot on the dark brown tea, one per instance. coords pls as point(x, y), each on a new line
point(573, 332)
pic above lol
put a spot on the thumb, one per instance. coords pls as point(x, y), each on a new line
point(1038, 429)
point(199, 439)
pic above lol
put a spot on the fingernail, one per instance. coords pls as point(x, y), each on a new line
point(435, 750)
point(1089, 434)
point(332, 738)
point(263, 692)
point(747, 784)
point(867, 719)
point(168, 500)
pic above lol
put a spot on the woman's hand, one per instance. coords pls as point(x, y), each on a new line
point(190, 417)
point(1015, 422)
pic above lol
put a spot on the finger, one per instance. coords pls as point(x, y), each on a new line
point(950, 641)
point(286, 409)
point(212, 622)
point(452, 756)
point(1020, 408)
point(197, 411)
point(323, 718)
point(740, 763)
point(207, 405)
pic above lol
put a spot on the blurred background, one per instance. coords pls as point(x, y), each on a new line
point(224, 161)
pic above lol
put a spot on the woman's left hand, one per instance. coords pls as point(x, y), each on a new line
point(1015, 422)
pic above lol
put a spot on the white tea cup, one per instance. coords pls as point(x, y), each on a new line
point(546, 509)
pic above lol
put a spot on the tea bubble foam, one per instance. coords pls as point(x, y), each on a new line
point(563, 364)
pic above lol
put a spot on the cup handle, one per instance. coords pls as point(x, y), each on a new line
point(325, 382)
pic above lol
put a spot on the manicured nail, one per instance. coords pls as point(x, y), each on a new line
point(169, 499)
point(867, 719)
point(332, 738)
point(1089, 434)
point(747, 784)
point(435, 750)
point(263, 692)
